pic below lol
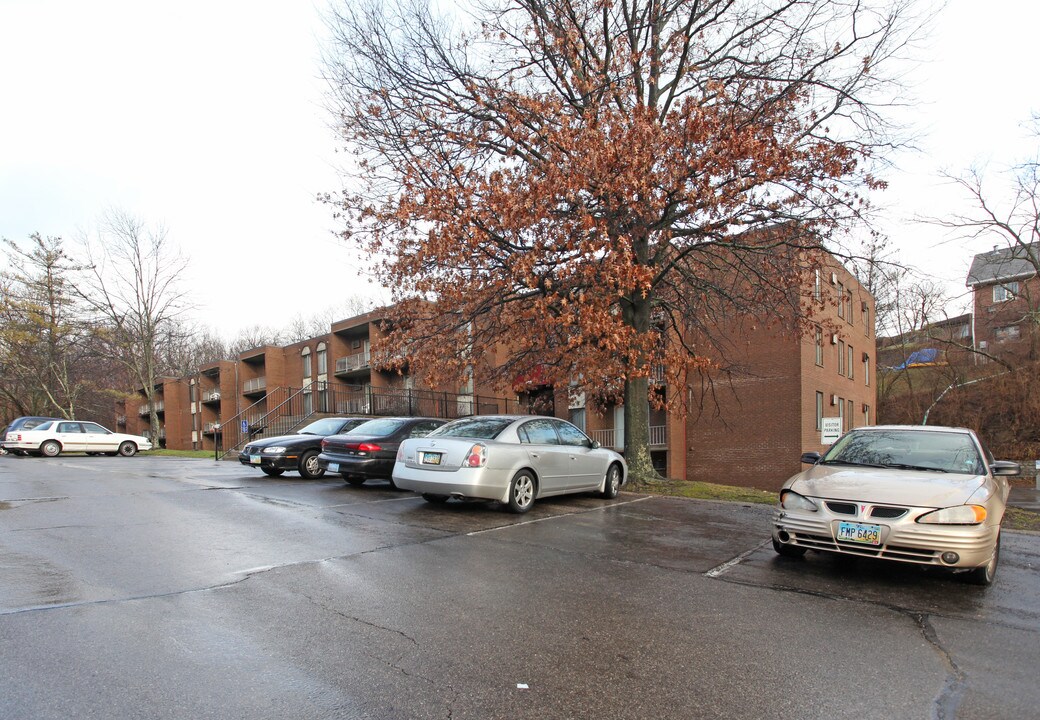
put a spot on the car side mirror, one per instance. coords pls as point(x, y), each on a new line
point(594, 444)
point(811, 458)
point(1005, 467)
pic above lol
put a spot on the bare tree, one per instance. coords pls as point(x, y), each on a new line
point(131, 285)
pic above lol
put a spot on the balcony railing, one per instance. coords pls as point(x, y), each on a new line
point(614, 438)
point(254, 385)
point(210, 427)
point(350, 363)
point(210, 396)
point(147, 408)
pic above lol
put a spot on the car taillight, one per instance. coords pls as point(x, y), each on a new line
point(368, 447)
point(477, 456)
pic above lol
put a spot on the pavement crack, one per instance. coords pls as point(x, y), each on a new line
point(945, 705)
point(362, 621)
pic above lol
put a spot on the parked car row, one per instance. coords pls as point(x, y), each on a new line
point(50, 437)
point(511, 459)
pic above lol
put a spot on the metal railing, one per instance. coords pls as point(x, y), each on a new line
point(614, 438)
point(357, 361)
point(254, 385)
point(210, 395)
point(145, 409)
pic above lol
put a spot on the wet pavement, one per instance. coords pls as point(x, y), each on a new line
point(168, 588)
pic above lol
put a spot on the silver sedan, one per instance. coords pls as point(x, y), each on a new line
point(513, 459)
point(915, 494)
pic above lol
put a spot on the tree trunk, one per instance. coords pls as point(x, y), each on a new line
point(637, 410)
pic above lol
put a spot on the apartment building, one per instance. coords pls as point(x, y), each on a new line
point(766, 410)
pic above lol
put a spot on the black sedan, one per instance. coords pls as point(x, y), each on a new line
point(297, 452)
point(370, 449)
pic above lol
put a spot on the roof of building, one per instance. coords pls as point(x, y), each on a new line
point(1007, 263)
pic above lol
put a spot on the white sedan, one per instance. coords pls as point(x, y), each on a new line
point(513, 459)
point(57, 436)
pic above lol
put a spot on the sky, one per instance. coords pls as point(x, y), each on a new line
point(207, 117)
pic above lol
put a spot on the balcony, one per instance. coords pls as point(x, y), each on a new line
point(146, 409)
point(614, 438)
point(256, 386)
point(210, 428)
point(210, 396)
point(353, 363)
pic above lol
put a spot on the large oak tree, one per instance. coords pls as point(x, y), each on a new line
point(595, 185)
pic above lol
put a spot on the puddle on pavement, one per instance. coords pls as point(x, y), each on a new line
point(27, 581)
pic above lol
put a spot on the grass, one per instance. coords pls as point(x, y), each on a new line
point(1014, 518)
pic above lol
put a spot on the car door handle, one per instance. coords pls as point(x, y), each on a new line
point(534, 454)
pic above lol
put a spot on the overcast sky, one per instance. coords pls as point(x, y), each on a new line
point(207, 117)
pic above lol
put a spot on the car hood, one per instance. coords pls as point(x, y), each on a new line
point(886, 486)
point(283, 440)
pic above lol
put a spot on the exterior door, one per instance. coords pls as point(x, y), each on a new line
point(71, 437)
point(585, 468)
point(99, 439)
point(548, 458)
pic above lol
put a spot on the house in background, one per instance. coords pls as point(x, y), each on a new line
point(1006, 298)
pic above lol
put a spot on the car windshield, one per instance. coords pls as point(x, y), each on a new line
point(329, 426)
point(381, 427)
point(908, 449)
point(481, 428)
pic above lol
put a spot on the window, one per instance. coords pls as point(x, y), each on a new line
point(323, 363)
point(817, 285)
point(570, 435)
point(866, 319)
point(538, 432)
point(849, 315)
point(1006, 291)
point(305, 356)
point(841, 413)
point(577, 417)
point(841, 300)
point(850, 362)
point(851, 414)
point(866, 414)
point(819, 345)
point(819, 410)
point(866, 369)
point(841, 357)
point(1008, 332)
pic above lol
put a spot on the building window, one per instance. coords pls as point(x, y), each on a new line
point(866, 369)
point(866, 414)
point(1008, 332)
point(819, 410)
point(852, 414)
point(323, 364)
point(841, 300)
point(577, 418)
point(305, 356)
point(819, 345)
point(841, 413)
point(850, 362)
point(1005, 292)
point(817, 285)
point(841, 357)
point(866, 319)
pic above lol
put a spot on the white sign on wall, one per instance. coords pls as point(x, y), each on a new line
point(830, 430)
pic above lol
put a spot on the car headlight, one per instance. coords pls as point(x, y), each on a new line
point(959, 515)
point(790, 500)
point(274, 450)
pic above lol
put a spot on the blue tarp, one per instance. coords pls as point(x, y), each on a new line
point(920, 358)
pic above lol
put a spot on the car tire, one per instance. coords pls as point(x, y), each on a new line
point(271, 472)
point(788, 551)
point(985, 574)
point(521, 492)
point(435, 498)
point(309, 467)
point(354, 480)
point(612, 482)
point(50, 448)
point(127, 449)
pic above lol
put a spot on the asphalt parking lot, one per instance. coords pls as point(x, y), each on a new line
point(165, 588)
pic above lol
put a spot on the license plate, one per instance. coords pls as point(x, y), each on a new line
point(859, 533)
point(254, 459)
point(333, 467)
point(431, 458)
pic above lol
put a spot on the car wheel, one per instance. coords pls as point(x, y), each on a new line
point(785, 550)
point(521, 492)
point(354, 480)
point(271, 472)
point(127, 449)
point(435, 498)
point(612, 482)
point(985, 574)
point(50, 448)
point(309, 467)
